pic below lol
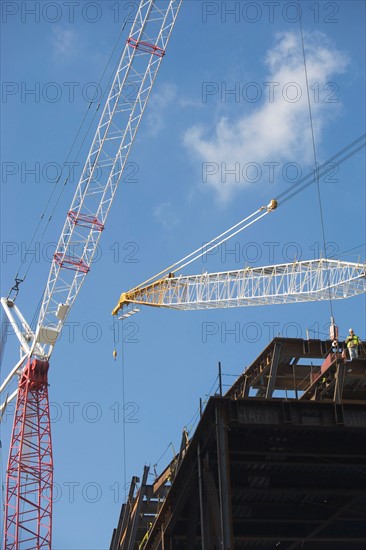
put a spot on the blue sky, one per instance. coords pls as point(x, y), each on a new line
point(226, 130)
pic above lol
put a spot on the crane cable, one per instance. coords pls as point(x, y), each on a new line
point(115, 354)
point(202, 250)
point(323, 169)
point(3, 336)
point(18, 279)
point(351, 250)
point(2, 482)
point(123, 389)
point(336, 160)
point(315, 156)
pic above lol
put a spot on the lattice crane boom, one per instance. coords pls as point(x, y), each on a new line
point(299, 281)
point(28, 506)
point(102, 172)
point(127, 99)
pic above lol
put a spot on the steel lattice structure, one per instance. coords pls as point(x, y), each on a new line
point(127, 99)
point(28, 507)
point(277, 284)
point(30, 468)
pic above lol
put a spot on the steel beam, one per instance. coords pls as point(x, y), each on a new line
point(213, 506)
point(224, 480)
point(319, 528)
point(273, 370)
point(339, 381)
point(192, 524)
point(123, 519)
point(204, 520)
point(136, 511)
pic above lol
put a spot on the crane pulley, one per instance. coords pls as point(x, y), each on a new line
point(199, 252)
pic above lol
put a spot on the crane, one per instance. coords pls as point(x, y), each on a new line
point(29, 479)
point(298, 281)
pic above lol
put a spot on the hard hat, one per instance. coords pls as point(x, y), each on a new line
point(350, 330)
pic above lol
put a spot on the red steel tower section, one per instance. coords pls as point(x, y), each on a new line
point(28, 508)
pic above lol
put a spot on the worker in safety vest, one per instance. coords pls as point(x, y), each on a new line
point(352, 342)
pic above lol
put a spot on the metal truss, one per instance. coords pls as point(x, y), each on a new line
point(85, 221)
point(107, 158)
point(304, 281)
point(28, 506)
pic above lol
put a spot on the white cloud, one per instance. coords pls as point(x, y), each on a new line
point(277, 130)
point(64, 42)
point(190, 103)
point(161, 99)
point(165, 215)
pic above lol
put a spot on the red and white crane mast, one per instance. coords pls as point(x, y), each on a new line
point(28, 506)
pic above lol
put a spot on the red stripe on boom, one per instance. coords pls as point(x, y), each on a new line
point(85, 221)
point(146, 47)
point(70, 263)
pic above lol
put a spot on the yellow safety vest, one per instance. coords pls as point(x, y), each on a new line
point(352, 341)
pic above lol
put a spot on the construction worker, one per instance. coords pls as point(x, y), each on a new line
point(352, 342)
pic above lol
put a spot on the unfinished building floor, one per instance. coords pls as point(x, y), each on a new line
point(265, 470)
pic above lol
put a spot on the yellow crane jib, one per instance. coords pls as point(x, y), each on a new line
point(297, 281)
point(150, 295)
point(153, 292)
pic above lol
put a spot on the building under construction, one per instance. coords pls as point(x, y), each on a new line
point(276, 462)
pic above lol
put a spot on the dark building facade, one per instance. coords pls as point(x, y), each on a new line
point(277, 462)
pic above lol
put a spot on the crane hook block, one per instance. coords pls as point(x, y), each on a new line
point(115, 354)
point(272, 205)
